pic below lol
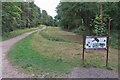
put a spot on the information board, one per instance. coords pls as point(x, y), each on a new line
point(95, 42)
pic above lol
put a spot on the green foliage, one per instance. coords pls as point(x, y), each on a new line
point(114, 39)
point(72, 15)
point(10, 16)
point(53, 38)
point(112, 9)
point(31, 61)
point(80, 30)
point(46, 19)
point(20, 15)
point(15, 33)
point(100, 29)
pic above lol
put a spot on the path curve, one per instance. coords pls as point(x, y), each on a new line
point(7, 70)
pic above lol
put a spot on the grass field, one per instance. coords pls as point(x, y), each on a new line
point(55, 52)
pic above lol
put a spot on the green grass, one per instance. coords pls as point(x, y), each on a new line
point(0, 38)
point(56, 52)
point(31, 61)
point(15, 33)
point(114, 39)
point(53, 38)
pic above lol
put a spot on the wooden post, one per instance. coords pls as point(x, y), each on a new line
point(109, 26)
point(107, 51)
point(101, 15)
point(108, 41)
point(101, 12)
point(83, 48)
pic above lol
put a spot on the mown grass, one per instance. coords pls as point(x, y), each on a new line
point(56, 52)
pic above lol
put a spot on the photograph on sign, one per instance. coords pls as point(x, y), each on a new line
point(95, 42)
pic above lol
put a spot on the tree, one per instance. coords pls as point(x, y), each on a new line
point(10, 16)
point(71, 15)
point(100, 30)
point(111, 9)
point(19, 15)
point(74, 15)
point(46, 19)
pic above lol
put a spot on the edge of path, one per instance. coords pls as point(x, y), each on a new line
point(8, 70)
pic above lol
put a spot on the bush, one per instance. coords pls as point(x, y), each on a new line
point(80, 30)
point(52, 38)
point(98, 29)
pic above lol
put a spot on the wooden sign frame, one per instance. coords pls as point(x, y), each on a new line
point(107, 44)
point(104, 49)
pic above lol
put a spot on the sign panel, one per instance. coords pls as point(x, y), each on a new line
point(95, 42)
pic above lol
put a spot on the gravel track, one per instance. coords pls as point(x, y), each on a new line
point(92, 73)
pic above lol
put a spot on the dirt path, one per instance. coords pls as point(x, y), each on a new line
point(10, 72)
point(7, 70)
point(92, 73)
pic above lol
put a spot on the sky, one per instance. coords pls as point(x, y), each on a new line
point(48, 5)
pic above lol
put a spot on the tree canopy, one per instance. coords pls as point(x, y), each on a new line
point(20, 15)
point(72, 15)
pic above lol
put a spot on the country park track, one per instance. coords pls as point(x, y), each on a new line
point(8, 71)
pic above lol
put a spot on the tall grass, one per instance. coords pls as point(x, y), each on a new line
point(15, 33)
point(53, 38)
point(0, 38)
point(114, 39)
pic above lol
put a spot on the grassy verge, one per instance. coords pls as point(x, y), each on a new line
point(16, 33)
point(0, 38)
point(54, 52)
point(114, 39)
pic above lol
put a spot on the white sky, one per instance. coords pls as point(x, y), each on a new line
point(48, 5)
